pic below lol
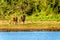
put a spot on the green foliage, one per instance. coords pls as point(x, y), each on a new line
point(29, 7)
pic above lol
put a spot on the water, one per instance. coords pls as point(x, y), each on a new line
point(29, 35)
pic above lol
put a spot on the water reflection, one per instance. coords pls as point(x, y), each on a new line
point(29, 35)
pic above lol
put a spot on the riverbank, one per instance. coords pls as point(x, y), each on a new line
point(32, 26)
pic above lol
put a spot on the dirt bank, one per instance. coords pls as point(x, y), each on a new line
point(32, 26)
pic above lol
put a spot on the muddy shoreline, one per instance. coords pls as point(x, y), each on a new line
point(26, 29)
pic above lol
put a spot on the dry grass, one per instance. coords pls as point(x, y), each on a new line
point(38, 26)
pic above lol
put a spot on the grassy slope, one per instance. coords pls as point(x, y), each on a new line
point(40, 22)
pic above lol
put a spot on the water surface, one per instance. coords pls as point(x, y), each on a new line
point(29, 35)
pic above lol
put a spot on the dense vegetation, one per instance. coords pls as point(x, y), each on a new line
point(34, 9)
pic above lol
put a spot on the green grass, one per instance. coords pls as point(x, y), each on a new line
point(44, 18)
